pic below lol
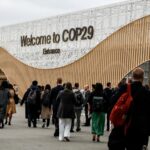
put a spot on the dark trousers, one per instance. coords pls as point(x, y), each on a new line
point(86, 115)
point(32, 111)
point(116, 140)
point(78, 116)
point(72, 124)
point(56, 122)
point(108, 121)
point(136, 141)
point(1, 120)
point(132, 141)
point(2, 115)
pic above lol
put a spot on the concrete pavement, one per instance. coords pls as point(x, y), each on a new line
point(19, 137)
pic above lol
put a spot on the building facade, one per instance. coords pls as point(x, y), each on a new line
point(96, 45)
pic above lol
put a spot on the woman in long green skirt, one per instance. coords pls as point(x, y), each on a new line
point(98, 123)
point(97, 101)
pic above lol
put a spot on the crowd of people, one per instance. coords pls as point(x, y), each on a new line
point(64, 104)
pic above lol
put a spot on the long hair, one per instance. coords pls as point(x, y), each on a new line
point(99, 87)
point(47, 87)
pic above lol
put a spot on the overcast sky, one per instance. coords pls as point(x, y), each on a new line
point(16, 11)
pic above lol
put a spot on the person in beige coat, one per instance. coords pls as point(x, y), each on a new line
point(46, 104)
point(11, 106)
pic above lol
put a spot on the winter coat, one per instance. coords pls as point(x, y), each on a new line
point(4, 103)
point(66, 105)
point(45, 112)
point(138, 116)
point(53, 96)
point(38, 99)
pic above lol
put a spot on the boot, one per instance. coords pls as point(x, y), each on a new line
point(94, 138)
point(6, 122)
point(97, 139)
point(43, 126)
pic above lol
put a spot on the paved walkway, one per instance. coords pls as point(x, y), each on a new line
point(19, 137)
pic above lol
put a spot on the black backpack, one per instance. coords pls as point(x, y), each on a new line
point(31, 99)
point(46, 99)
point(98, 103)
point(79, 98)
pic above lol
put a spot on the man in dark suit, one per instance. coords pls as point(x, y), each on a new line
point(138, 131)
point(53, 96)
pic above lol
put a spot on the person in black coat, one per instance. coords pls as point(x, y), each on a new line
point(86, 95)
point(108, 92)
point(66, 100)
point(97, 104)
point(136, 137)
point(53, 96)
point(4, 100)
point(31, 110)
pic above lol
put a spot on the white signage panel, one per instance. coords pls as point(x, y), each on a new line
point(58, 41)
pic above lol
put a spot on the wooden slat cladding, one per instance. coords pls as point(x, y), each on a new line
point(110, 60)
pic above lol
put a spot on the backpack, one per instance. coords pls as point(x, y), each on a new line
point(46, 99)
point(79, 98)
point(118, 115)
point(31, 99)
point(98, 103)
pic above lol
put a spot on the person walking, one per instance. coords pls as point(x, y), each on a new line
point(53, 96)
point(97, 102)
point(11, 106)
point(86, 94)
point(4, 99)
point(33, 100)
point(133, 135)
point(108, 92)
point(66, 101)
point(46, 104)
point(78, 107)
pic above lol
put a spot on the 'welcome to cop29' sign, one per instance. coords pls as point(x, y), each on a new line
point(61, 40)
point(73, 34)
